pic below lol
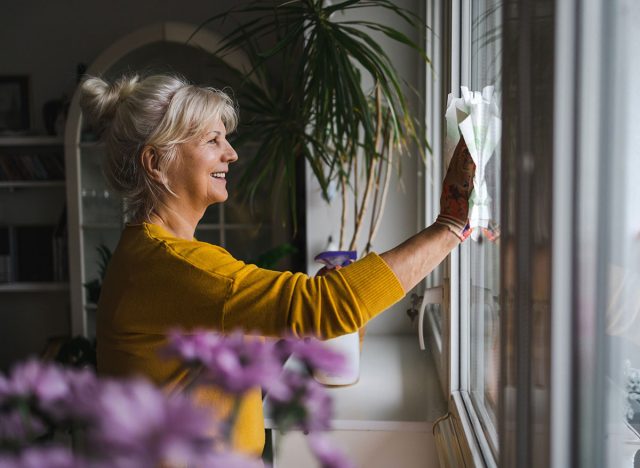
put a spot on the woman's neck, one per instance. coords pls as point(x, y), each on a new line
point(177, 223)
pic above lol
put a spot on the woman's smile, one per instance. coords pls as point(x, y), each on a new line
point(220, 177)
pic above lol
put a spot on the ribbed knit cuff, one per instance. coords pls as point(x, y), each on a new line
point(375, 284)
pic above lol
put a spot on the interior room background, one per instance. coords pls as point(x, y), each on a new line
point(48, 41)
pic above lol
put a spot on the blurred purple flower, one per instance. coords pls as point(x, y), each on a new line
point(38, 457)
point(133, 424)
point(193, 348)
point(298, 401)
point(18, 428)
point(79, 403)
point(319, 407)
point(235, 363)
point(232, 460)
point(129, 423)
point(326, 453)
point(313, 353)
point(4, 387)
point(138, 419)
point(46, 382)
point(62, 394)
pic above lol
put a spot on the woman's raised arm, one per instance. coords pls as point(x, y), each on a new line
point(416, 257)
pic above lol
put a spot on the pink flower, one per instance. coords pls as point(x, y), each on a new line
point(140, 421)
point(133, 424)
point(4, 387)
point(17, 428)
point(232, 460)
point(128, 423)
point(47, 383)
point(235, 363)
point(193, 348)
point(38, 457)
point(313, 353)
point(62, 394)
point(298, 401)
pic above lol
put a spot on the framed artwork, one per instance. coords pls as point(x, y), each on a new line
point(14, 103)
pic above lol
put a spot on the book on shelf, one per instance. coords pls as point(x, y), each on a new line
point(34, 253)
point(43, 164)
point(5, 255)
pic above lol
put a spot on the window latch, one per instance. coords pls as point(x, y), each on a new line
point(434, 295)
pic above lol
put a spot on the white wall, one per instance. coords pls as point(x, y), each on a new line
point(46, 39)
point(401, 214)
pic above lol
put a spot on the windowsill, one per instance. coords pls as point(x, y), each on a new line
point(398, 389)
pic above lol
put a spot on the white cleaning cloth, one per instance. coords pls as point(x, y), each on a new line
point(476, 116)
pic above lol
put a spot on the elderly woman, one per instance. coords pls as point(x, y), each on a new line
point(168, 156)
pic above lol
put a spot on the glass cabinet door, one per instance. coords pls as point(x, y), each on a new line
point(101, 221)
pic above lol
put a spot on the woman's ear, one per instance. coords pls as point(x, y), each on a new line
point(150, 163)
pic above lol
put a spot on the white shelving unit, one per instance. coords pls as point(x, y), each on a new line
point(33, 140)
point(20, 184)
point(29, 198)
point(34, 292)
point(35, 287)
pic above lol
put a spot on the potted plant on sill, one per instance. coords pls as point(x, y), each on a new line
point(306, 98)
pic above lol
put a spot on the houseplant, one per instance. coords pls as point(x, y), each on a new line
point(319, 109)
point(321, 89)
point(94, 286)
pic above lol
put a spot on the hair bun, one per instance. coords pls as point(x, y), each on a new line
point(99, 100)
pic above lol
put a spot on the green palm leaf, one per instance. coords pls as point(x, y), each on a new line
point(316, 107)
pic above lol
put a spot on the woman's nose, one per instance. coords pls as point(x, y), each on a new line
point(230, 154)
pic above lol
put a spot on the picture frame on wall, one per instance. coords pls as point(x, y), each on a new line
point(14, 104)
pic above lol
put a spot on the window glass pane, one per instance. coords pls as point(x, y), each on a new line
point(622, 218)
point(248, 244)
point(435, 99)
point(484, 253)
point(212, 215)
point(208, 235)
point(434, 311)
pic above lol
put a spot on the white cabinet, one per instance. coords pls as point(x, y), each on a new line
point(34, 288)
point(95, 223)
point(386, 418)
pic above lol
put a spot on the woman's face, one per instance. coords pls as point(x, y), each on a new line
point(198, 175)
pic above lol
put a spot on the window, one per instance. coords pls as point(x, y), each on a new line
point(465, 327)
point(556, 274)
point(480, 258)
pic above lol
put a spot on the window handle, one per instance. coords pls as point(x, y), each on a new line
point(434, 295)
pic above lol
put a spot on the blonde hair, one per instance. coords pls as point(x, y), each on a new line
point(160, 111)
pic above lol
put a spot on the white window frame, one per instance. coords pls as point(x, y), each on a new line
point(451, 348)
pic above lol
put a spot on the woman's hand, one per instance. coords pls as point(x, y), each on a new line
point(416, 257)
point(326, 269)
point(456, 189)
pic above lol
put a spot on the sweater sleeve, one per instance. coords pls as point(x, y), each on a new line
point(340, 302)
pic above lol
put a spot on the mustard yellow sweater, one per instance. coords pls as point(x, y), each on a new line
point(156, 282)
